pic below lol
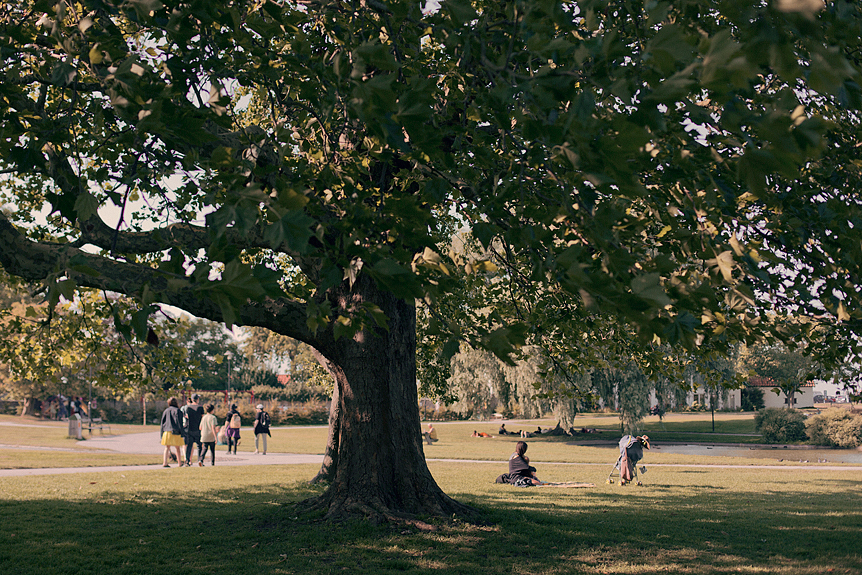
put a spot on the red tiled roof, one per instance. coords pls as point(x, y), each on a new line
point(756, 381)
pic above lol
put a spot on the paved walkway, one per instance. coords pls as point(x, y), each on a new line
point(147, 443)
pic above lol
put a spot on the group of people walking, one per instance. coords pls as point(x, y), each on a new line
point(195, 424)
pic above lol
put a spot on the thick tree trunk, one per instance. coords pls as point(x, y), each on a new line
point(330, 456)
point(30, 407)
point(377, 466)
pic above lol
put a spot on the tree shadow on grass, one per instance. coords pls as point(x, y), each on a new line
point(253, 529)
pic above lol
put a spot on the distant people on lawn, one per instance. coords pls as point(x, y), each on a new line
point(430, 435)
point(261, 429)
point(192, 415)
point(209, 433)
point(232, 425)
point(64, 412)
point(172, 431)
point(480, 434)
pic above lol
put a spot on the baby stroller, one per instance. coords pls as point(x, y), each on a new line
point(631, 451)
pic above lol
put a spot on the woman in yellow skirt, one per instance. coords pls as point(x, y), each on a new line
point(172, 431)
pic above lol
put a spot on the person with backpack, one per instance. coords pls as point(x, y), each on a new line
point(192, 415)
point(233, 422)
point(261, 428)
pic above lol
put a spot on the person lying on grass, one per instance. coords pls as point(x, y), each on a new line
point(520, 470)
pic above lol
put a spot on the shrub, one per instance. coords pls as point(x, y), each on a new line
point(835, 427)
point(751, 398)
point(779, 425)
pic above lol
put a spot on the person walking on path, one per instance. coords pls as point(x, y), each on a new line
point(192, 414)
point(172, 431)
point(261, 428)
point(233, 423)
point(209, 432)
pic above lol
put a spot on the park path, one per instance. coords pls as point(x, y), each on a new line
point(147, 443)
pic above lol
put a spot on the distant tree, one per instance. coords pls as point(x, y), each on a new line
point(269, 354)
point(82, 344)
point(751, 398)
point(788, 369)
point(216, 355)
point(478, 382)
point(848, 374)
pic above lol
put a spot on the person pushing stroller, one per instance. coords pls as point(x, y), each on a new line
point(631, 451)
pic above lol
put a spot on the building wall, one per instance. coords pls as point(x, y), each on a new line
point(804, 398)
point(701, 396)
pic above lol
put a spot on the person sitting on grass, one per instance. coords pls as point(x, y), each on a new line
point(521, 473)
point(430, 435)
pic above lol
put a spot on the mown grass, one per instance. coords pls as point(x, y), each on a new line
point(38, 459)
point(241, 520)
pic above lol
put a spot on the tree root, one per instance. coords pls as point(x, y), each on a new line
point(447, 511)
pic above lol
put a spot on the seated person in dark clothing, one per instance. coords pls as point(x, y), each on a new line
point(520, 469)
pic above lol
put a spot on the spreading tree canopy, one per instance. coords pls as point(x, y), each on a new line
point(299, 165)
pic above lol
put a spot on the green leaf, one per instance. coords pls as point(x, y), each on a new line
point(461, 11)
point(648, 287)
point(86, 205)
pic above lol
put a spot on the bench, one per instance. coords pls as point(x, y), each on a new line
point(95, 423)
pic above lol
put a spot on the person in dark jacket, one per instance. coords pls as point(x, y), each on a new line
point(172, 432)
point(520, 468)
point(193, 412)
point(261, 429)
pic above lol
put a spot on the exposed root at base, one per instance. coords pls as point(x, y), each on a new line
point(379, 515)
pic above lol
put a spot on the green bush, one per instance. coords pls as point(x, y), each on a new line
point(751, 398)
point(779, 425)
point(835, 427)
point(311, 413)
point(127, 413)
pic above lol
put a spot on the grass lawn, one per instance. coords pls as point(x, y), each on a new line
point(240, 520)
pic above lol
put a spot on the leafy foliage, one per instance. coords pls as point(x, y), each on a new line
point(788, 369)
point(670, 170)
point(835, 427)
point(64, 348)
point(751, 398)
point(778, 425)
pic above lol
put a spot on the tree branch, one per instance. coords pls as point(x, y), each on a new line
point(36, 261)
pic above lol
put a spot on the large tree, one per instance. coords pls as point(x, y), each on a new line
point(298, 165)
point(789, 370)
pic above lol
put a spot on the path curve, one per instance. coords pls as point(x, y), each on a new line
point(147, 443)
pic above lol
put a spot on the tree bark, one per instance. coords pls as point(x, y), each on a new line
point(330, 456)
point(377, 467)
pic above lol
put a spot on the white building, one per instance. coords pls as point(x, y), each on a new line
point(801, 399)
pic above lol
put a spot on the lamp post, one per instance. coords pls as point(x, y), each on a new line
point(229, 357)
